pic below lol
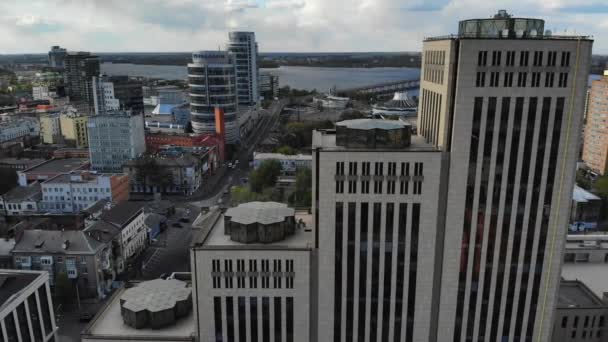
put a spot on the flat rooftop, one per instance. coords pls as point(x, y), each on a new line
point(108, 322)
point(213, 235)
point(12, 282)
point(594, 275)
point(574, 293)
point(326, 139)
point(59, 165)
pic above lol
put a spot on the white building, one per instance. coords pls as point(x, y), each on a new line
point(26, 307)
point(245, 50)
point(18, 129)
point(376, 193)
point(289, 163)
point(103, 96)
point(43, 93)
point(114, 139)
point(21, 200)
point(211, 77)
point(252, 274)
point(73, 192)
point(505, 100)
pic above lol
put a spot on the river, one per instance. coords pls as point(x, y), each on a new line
point(298, 77)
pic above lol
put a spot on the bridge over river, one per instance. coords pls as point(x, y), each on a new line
point(382, 89)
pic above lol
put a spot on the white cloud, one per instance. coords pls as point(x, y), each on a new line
point(280, 25)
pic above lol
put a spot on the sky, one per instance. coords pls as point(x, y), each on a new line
point(32, 26)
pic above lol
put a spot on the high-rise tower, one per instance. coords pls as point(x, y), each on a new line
point(245, 50)
point(504, 100)
point(80, 68)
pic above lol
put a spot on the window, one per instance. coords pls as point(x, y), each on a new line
point(481, 79)
point(510, 58)
point(551, 58)
point(339, 219)
point(563, 80)
point(549, 78)
point(523, 58)
point(253, 317)
point(253, 276)
point(378, 181)
point(365, 172)
point(392, 171)
point(482, 58)
point(405, 173)
point(565, 60)
point(586, 323)
point(535, 79)
point(339, 181)
point(494, 76)
point(573, 334)
point(496, 58)
point(352, 183)
point(538, 58)
point(521, 79)
point(508, 80)
point(575, 324)
point(564, 321)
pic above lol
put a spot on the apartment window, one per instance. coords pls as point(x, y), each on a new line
point(277, 273)
point(482, 58)
point(521, 79)
point(240, 269)
point(352, 184)
point(253, 317)
point(523, 58)
point(378, 168)
point(339, 219)
point(290, 274)
point(538, 58)
point(277, 320)
point(265, 273)
point(494, 76)
point(551, 58)
point(418, 171)
point(549, 78)
point(575, 324)
point(253, 273)
point(405, 172)
point(496, 57)
point(228, 274)
point(563, 80)
point(510, 58)
point(601, 322)
point(340, 182)
point(564, 321)
point(508, 79)
point(392, 171)
point(481, 79)
point(535, 79)
point(565, 60)
point(365, 166)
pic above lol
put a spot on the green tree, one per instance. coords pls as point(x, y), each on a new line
point(265, 176)
point(288, 150)
point(302, 197)
point(601, 187)
point(582, 180)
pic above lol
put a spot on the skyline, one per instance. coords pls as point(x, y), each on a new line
point(280, 25)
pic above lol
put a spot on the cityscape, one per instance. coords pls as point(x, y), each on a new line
point(457, 193)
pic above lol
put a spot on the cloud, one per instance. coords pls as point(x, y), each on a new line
point(280, 25)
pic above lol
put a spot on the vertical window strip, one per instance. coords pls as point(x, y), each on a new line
point(278, 336)
point(265, 319)
point(400, 282)
point(253, 318)
point(230, 319)
point(375, 271)
point(363, 248)
point(242, 319)
point(338, 272)
point(350, 269)
point(411, 296)
point(289, 319)
point(388, 270)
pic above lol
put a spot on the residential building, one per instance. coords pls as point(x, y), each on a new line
point(74, 129)
point(157, 310)
point(269, 86)
point(289, 163)
point(57, 57)
point(115, 139)
point(244, 48)
point(595, 141)
point(129, 93)
point(26, 307)
point(43, 93)
point(21, 200)
point(174, 173)
point(580, 315)
point(504, 101)
point(70, 253)
point(6, 247)
point(103, 96)
point(156, 141)
point(19, 163)
point(80, 68)
point(211, 77)
point(253, 273)
point(376, 195)
point(75, 191)
point(19, 129)
point(51, 168)
point(50, 128)
point(585, 212)
point(154, 96)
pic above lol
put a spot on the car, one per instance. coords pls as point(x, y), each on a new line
point(85, 317)
point(230, 165)
point(184, 220)
point(176, 225)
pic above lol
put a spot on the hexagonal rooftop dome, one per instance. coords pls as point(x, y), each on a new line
point(156, 303)
point(259, 212)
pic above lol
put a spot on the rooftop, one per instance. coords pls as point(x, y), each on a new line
point(280, 156)
point(60, 165)
point(122, 213)
point(367, 124)
point(326, 139)
point(259, 212)
point(79, 177)
point(594, 275)
point(23, 193)
point(13, 282)
point(21, 161)
point(574, 293)
point(54, 241)
point(108, 322)
point(212, 234)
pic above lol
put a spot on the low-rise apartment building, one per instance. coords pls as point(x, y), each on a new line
point(50, 128)
point(13, 130)
point(75, 191)
point(21, 200)
point(74, 129)
point(50, 169)
point(289, 163)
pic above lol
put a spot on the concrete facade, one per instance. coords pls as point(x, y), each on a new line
point(74, 129)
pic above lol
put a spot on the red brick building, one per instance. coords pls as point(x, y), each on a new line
point(154, 141)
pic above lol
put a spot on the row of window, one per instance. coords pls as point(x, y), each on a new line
point(282, 307)
point(18, 322)
point(252, 274)
point(378, 182)
point(433, 75)
point(538, 59)
point(431, 103)
point(436, 57)
point(76, 190)
point(580, 257)
point(522, 79)
point(592, 320)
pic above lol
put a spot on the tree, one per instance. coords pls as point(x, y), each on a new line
point(63, 288)
point(265, 176)
point(302, 197)
point(288, 150)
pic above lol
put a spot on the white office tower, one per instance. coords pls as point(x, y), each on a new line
point(245, 50)
point(103, 96)
point(211, 77)
point(505, 101)
point(252, 274)
point(375, 197)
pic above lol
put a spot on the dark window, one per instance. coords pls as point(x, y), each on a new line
point(388, 257)
point(350, 269)
point(521, 79)
point(565, 61)
point(253, 270)
point(549, 78)
point(228, 273)
point(23, 323)
point(365, 166)
point(277, 319)
point(563, 80)
point(339, 172)
point(375, 271)
point(510, 58)
point(405, 171)
point(496, 58)
point(35, 317)
point(480, 80)
point(564, 321)
point(573, 334)
point(230, 319)
point(352, 171)
point(11, 328)
point(494, 76)
point(242, 319)
point(551, 58)
point(601, 322)
point(575, 324)
point(400, 281)
point(535, 80)
point(378, 173)
point(523, 58)
point(411, 296)
point(45, 308)
point(338, 271)
point(265, 319)
point(586, 324)
point(289, 319)
point(508, 80)
point(363, 248)
point(538, 58)
point(482, 58)
point(253, 314)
